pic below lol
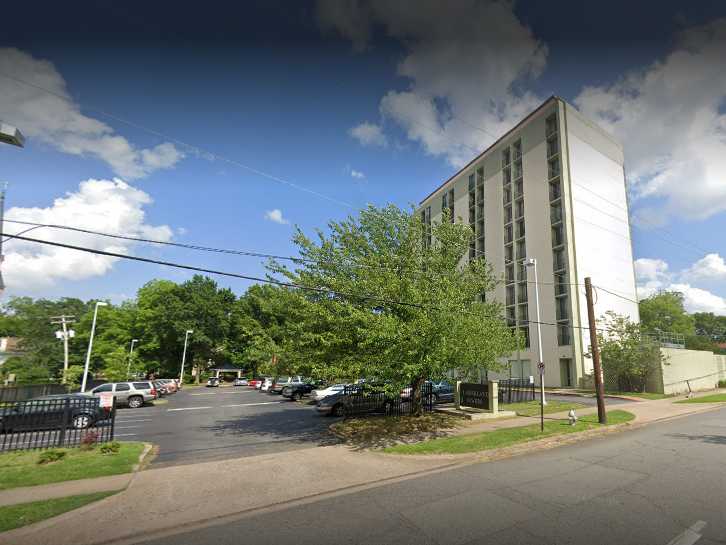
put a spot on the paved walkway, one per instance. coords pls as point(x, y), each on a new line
point(171, 497)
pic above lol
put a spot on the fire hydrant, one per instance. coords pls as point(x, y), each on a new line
point(572, 417)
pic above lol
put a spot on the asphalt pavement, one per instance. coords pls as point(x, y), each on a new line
point(661, 484)
point(205, 424)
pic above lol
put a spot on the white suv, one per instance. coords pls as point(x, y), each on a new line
point(133, 394)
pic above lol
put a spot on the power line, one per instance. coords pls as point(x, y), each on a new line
point(197, 150)
point(272, 281)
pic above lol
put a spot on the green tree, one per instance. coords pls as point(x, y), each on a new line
point(664, 313)
point(404, 311)
point(626, 353)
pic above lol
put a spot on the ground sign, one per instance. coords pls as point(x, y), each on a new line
point(475, 395)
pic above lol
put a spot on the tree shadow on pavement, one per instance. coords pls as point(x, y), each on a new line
point(712, 439)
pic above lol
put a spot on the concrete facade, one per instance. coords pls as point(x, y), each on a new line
point(687, 370)
point(552, 188)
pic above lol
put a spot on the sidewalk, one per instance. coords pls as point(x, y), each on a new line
point(173, 497)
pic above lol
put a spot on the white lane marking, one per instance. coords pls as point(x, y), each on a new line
point(251, 404)
point(136, 420)
point(124, 434)
point(689, 535)
point(126, 427)
point(188, 409)
point(221, 393)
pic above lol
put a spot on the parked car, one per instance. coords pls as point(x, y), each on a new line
point(241, 382)
point(296, 391)
point(252, 383)
point(170, 384)
point(359, 401)
point(213, 382)
point(280, 382)
point(266, 384)
point(443, 392)
point(322, 393)
point(160, 388)
point(47, 412)
point(134, 394)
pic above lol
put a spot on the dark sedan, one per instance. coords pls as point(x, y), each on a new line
point(78, 411)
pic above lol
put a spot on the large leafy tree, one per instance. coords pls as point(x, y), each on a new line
point(383, 303)
point(664, 313)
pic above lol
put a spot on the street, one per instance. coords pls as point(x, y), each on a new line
point(203, 424)
point(662, 484)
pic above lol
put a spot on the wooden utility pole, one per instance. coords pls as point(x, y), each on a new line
point(599, 386)
point(65, 334)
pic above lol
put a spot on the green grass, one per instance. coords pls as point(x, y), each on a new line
point(531, 408)
point(506, 436)
point(15, 516)
point(644, 395)
point(715, 398)
point(22, 468)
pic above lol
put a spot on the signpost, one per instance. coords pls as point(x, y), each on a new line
point(541, 369)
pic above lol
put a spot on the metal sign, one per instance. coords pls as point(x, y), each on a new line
point(541, 367)
point(474, 395)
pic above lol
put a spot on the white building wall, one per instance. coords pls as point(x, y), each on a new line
point(598, 200)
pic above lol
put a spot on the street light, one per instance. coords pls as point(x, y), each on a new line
point(532, 262)
point(8, 135)
point(90, 344)
point(184, 355)
point(131, 353)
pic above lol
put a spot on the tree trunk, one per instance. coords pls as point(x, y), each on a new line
point(416, 397)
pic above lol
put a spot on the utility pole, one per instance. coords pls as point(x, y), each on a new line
point(599, 386)
point(64, 335)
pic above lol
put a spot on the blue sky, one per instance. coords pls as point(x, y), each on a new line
point(281, 87)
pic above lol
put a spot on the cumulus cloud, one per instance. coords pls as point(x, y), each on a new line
point(463, 61)
point(654, 275)
point(369, 134)
point(275, 215)
point(109, 206)
point(58, 121)
point(671, 120)
point(357, 174)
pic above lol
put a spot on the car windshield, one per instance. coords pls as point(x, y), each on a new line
point(282, 379)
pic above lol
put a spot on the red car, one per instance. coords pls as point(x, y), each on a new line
point(252, 383)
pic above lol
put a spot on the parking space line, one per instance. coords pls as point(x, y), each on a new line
point(124, 434)
point(126, 427)
point(251, 404)
point(135, 420)
point(188, 409)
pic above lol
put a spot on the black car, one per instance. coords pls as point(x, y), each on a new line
point(298, 390)
point(78, 411)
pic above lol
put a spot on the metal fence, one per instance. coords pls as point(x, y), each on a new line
point(361, 399)
point(51, 423)
point(516, 390)
point(10, 394)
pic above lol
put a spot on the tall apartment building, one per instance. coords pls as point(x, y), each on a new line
point(553, 189)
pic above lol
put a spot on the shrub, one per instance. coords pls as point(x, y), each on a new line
point(50, 455)
point(110, 448)
point(722, 383)
point(89, 440)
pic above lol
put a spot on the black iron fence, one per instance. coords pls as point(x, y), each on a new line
point(516, 390)
point(361, 399)
point(9, 394)
point(50, 423)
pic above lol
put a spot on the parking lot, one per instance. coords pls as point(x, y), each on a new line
point(202, 424)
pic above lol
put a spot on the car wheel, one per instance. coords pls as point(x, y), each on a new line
point(81, 421)
point(338, 410)
point(135, 402)
point(296, 396)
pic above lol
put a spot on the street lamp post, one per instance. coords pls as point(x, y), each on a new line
point(184, 355)
point(90, 344)
point(8, 135)
point(540, 364)
point(131, 353)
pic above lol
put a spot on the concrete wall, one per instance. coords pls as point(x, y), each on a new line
point(698, 368)
point(720, 362)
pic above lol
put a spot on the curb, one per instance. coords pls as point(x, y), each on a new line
point(142, 458)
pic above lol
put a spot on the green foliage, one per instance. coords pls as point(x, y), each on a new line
point(51, 455)
point(664, 312)
point(376, 260)
point(110, 448)
point(74, 376)
point(626, 354)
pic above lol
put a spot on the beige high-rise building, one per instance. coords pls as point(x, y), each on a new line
point(552, 189)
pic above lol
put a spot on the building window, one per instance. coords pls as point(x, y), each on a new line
point(507, 176)
point(508, 253)
point(522, 314)
point(563, 334)
point(553, 168)
point(521, 249)
point(558, 259)
point(551, 125)
point(506, 157)
point(555, 190)
point(471, 182)
point(561, 306)
point(556, 212)
point(519, 208)
point(517, 149)
point(522, 295)
point(552, 147)
point(524, 332)
point(508, 237)
point(517, 170)
point(509, 273)
point(561, 284)
point(558, 237)
point(507, 194)
point(518, 188)
point(508, 214)
point(520, 228)
point(510, 295)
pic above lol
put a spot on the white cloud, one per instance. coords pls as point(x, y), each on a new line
point(275, 215)
point(357, 174)
point(109, 206)
point(463, 60)
point(653, 275)
point(712, 266)
point(670, 119)
point(369, 134)
point(58, 122)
